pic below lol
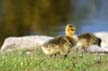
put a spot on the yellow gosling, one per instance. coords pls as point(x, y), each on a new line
point(62, 44)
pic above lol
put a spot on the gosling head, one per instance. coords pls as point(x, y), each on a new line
point(70, 30)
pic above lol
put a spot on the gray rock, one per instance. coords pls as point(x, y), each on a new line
point(97, 49)
point(25, 42)
point(33, 42)
point(104, 37)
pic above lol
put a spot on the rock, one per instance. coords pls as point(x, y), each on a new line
point(32, 42)
point(97, 49)
point(25, 42)
point(104, 37)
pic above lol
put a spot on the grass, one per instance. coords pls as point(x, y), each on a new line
point(39, 62)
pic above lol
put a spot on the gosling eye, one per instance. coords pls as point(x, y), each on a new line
point(72, 29)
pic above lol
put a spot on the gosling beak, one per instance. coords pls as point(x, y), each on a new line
point(99, 42)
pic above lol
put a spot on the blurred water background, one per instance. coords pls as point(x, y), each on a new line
point(49, 17)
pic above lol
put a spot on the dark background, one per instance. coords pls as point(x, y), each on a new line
point(49, 17)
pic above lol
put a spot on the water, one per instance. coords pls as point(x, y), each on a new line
point(96, 15)
point(89, 16)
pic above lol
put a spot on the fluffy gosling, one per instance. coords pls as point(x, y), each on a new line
point(62, 44)
point(87, 39)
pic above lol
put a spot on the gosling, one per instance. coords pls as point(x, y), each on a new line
point(62, 44)
point(87, 39)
